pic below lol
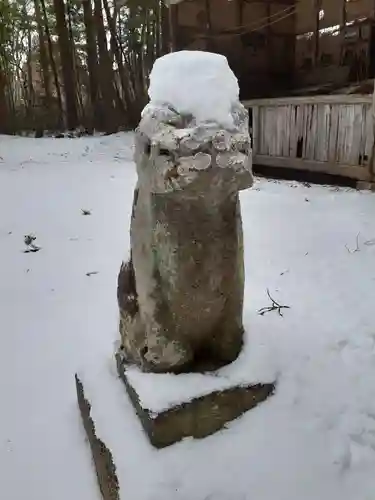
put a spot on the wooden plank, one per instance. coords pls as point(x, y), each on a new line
point(294, 131)
point(265, 139)
point(305, 120)
point(262, 129)
point(340, 154)
point(363, 135)
point(308, 123)
point(274, 125)
point(369, 133)
point(340, 133)
point(267, 131)
point(312, 131)
point(346, 115)
point(281, 130)
point(269, 135)
point(355, 149)
point(320, 99)
point(333, 133)
point(282, 124)
point(349, 134)
point(289, 125)
point(300, 120)
point(275, 129)
point(262, 146)
point(327, 125)
point(353, 172)
point(278, 130)
point(299, 126)
point(292, 136)
point(271, 130)
point(255, 146)
point(321, 133)
point(284, 143)
point(319, 139)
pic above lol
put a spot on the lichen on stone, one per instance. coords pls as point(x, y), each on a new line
point(186, 241)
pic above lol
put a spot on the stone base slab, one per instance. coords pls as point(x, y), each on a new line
point(102, 456)
point(197, 418)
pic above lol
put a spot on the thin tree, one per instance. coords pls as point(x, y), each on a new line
point(52, 62)
point(43, 55)
point(92, 63)
point(66, 56)
point(107, 84)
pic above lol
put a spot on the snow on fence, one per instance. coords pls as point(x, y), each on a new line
point(331, 134)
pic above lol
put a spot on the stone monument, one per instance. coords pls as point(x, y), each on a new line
point(180, 295)
point(181, 292)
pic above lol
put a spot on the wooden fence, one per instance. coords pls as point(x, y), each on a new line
point(331, 134)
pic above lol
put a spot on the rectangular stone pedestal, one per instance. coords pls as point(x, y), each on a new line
point(170, 408)
point(102, 456)
point(198, 417)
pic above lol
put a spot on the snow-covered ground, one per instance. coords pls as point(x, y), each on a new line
point(315, 439)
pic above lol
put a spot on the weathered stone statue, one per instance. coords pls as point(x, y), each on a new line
point(181, 294)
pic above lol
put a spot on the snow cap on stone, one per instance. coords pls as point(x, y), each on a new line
point(195, 83)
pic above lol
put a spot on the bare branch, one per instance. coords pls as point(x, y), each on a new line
point(356, 249)
point(275, 306)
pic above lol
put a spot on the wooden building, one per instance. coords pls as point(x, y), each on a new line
point(275, 46)
point(257, 37)
point(335, 41)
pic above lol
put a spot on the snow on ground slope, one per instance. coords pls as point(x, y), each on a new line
point(314, 439)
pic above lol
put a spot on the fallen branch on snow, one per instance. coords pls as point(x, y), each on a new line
point(357, 249)
point(274, 307)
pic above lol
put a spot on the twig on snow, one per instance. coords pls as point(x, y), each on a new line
point(357, 249)
point(274, 307)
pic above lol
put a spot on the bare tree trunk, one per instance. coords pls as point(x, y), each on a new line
point(4, 122)
point(318, 6)
point(75, 59)
point(66, 55)
point(30, 88)
point(43, 54)
point(165, 29)
point(157, 29)
point(53, 64)
point(106, 71)
point(124, 74)
point(92, 62)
